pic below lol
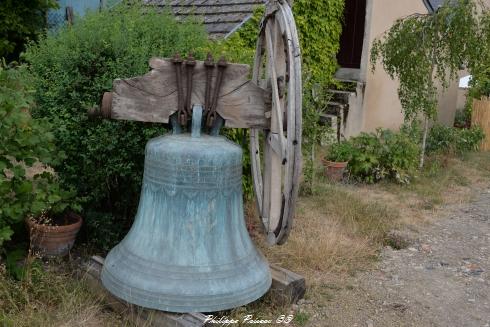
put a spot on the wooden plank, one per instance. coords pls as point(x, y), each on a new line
point(287, 288)
point(153, 97)
point(139, 316)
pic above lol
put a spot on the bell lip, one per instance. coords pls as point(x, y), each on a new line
point(203, 303)
point(263, 289)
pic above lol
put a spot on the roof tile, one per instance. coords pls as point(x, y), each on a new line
point(220, 17)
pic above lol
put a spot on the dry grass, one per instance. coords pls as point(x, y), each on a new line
point(47, 298)
point(335, 230)
point(445, 181)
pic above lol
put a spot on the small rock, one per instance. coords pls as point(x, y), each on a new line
point(397, 240)
point(295, 307)
point(412, 249)
point(472, 300)
point(430, 266)
point(369, 323)
point(399, 306)
point(301, 301)
point(472, 269)
point(426, 248)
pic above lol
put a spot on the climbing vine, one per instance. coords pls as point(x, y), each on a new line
point(319, 25)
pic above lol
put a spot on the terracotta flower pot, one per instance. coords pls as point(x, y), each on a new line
point(334, 170)
point(55, 240)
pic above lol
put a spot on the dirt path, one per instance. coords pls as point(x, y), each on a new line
point(441, 279)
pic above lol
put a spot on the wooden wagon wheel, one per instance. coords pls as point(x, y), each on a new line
point(276, 151)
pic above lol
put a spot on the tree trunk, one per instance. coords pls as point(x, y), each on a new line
point(426, 122)
point(424, 142)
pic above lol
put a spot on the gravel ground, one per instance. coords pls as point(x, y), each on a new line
point(441, 279)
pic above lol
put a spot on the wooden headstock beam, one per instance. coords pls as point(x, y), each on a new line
point(153, 96)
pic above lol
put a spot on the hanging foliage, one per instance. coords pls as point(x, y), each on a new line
point(425, 52)
point(479, 68)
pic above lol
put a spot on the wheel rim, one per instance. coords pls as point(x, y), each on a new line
point(276, 152)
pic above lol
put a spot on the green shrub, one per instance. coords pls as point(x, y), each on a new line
point(364, 164)
point(376, 156)
point(71, 69)
point(462, 118)
point(400, 155)
point(24, 143)
point(450, 140)
point(469, 139)
point(21, 21)
point(340, 152)
point(440, 138)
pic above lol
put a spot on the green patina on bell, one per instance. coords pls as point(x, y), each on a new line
point(188, 249)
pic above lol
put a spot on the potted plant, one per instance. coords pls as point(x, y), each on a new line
point(337, 159)
point(52, 224)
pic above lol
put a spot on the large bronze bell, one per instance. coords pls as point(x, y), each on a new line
point(188, 249)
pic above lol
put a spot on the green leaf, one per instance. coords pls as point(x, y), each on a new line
point(53, 198)
point(30, 161)
point(24, 187)
point(37, 207)
point(5, 234)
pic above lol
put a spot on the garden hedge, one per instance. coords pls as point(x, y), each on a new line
point(71, 70)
